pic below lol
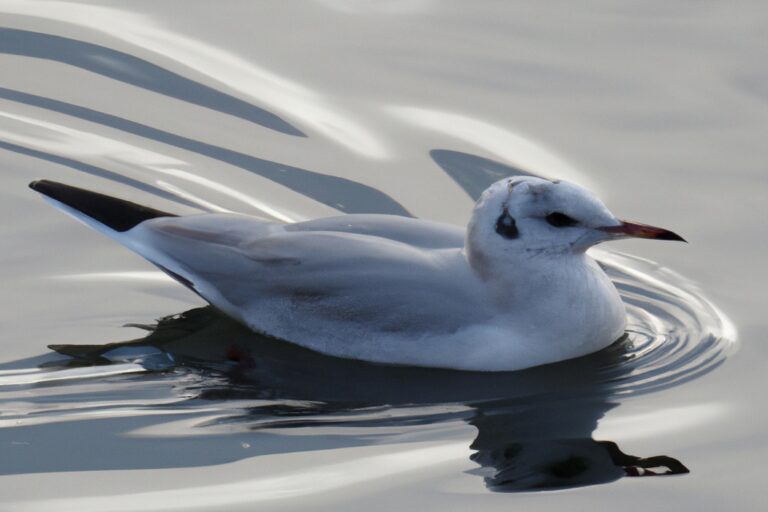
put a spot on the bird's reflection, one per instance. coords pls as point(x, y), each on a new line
point(534, 427)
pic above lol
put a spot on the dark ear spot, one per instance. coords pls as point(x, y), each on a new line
point(506, 226)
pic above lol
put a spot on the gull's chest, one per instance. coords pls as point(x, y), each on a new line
point(560, 299)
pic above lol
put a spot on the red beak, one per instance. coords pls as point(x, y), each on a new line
point(631, 229)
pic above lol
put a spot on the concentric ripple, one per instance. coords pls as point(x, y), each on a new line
point(181, 383)
point(674, 333)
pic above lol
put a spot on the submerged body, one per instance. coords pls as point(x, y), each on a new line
point(515, 290)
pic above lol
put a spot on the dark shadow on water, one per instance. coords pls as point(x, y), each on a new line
point(95, 171)
point(137, 72)
point(340, 193)
point(474, 173)
point(534, 427)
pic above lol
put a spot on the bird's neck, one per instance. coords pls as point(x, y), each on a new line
point(525, 265)
point(573, 287)
point(519, 277)
point(545, 271)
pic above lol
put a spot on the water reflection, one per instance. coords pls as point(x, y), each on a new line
point(137, 72)
point(473, 173)
point(96, 171)
point(534, 427)
point(200, 389)
point(342, 194)
point(549, 445)
point(522, 151)
point(217, 64)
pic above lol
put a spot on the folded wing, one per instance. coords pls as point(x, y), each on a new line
point(247, 266)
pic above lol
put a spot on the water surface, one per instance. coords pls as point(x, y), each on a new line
point(303, 110)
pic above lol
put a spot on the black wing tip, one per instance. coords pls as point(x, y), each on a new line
point(40, 185)
point(51, 188)
point(117, 214)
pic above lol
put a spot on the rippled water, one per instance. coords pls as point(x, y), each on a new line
point(200, 374)
point(302, 110)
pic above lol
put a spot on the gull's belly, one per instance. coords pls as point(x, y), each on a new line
point(450, 321)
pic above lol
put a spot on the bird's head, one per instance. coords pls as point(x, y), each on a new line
point(523, 217)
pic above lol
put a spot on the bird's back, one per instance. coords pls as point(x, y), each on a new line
point(278, 278)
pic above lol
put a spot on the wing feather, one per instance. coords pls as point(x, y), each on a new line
point(331, 274)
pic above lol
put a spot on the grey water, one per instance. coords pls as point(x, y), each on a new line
point(300, 110)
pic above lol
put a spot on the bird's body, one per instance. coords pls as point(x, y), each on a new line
point(390, 289)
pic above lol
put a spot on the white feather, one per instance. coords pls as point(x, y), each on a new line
point(396, 290)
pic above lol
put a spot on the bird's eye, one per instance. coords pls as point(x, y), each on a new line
point(506, 226)
point(561, 220)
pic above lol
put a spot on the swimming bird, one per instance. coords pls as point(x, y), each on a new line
point(516, 289)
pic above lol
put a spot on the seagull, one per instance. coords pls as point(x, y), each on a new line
point(516, 289)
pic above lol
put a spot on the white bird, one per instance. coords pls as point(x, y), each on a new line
point(516, 290)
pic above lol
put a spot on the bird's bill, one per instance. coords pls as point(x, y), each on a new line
point(635, 230)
